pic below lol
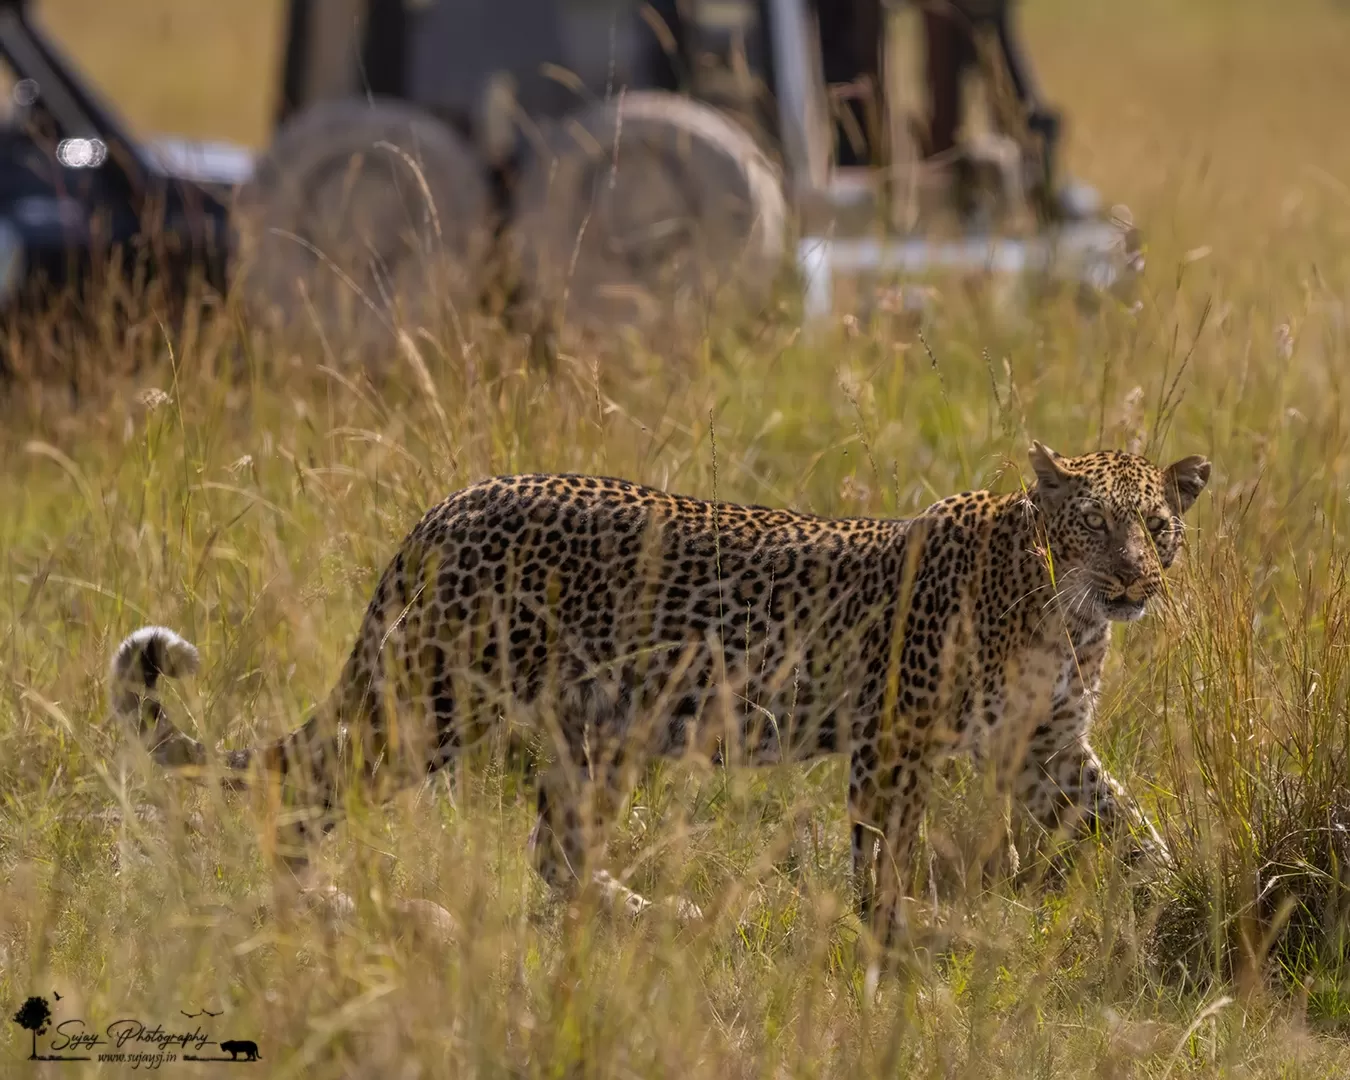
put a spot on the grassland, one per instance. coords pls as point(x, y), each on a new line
point(248, 495)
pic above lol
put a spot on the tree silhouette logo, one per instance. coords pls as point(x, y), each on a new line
point(34, 1015)
point(128, 1039)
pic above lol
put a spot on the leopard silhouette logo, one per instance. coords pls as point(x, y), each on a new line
point(235, 1047)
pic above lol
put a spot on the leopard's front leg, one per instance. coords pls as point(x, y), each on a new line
point(1064, 786)
point(1066, 789)
point(886, 806)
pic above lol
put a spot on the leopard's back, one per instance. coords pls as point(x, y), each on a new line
point(599, 590)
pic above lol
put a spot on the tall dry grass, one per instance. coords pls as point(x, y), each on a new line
point(249, 494)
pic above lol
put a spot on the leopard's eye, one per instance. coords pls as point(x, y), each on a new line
point(1094, 521)
point(1156, 524)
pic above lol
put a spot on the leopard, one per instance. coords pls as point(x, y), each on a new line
point(627, 625)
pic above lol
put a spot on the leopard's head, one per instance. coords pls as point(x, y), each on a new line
point(1113, 522)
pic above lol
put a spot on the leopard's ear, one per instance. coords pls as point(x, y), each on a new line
point(1184, 480)
point(1050, 474)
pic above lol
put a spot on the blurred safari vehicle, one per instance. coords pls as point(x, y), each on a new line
point(599, 163)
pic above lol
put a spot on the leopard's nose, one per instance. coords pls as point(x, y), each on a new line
point(1131, 569)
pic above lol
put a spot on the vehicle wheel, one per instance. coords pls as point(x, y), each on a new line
point(362, 218)
point(684, 215)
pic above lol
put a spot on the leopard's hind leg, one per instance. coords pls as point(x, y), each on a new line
point(582, 794)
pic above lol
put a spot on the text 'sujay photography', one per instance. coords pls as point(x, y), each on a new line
point(675, 539)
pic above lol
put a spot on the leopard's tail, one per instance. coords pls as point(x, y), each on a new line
point(136, 668)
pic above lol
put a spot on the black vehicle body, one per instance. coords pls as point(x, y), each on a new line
point(445, 56)
point(78, 194)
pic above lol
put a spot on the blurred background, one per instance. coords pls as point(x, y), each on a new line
point(1205, 113)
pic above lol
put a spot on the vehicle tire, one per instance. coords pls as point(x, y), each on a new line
point(685, 216)
point(362, 218)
